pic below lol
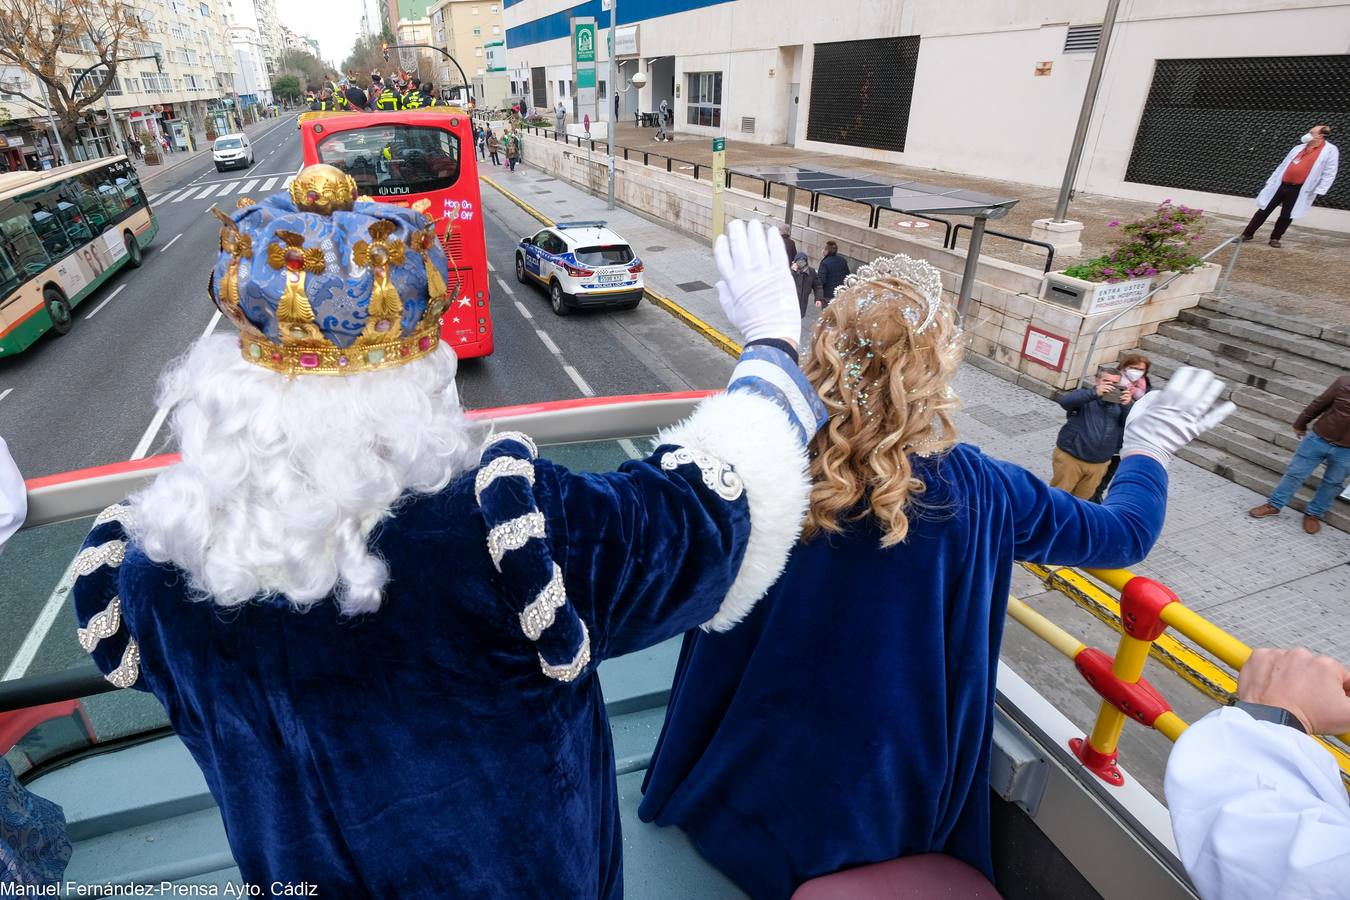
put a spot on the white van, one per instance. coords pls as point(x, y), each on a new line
point(232, 151)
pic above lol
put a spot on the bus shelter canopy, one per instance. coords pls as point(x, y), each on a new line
point(919, 197)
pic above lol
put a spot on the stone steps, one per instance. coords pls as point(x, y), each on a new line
point(1259, 479)
point(1271, 407)
point(1336, 334)
point(1297, 392)
point(1267, 337)
point(1257, 355)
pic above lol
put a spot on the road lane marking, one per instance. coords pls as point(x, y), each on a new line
point(631, 449)
point(287, 182)
point(210, 189)
point(106, 300)
point(18, 666)
point(148, 439)
point(186, 194)
point(267, 185)
point(165, 196)
point(170, 243)
point(248, 185)
point(578, 380)
point(6, 392)
point(504, 286)
point(491, 267)
point(523, 311)
point(229, 188)
point(548, 342)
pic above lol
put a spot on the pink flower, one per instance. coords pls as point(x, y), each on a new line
point(1114, 223)
point(1108, 271)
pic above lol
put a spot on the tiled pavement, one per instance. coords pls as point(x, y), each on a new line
point(1266, 580)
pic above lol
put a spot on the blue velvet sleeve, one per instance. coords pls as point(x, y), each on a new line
point(1054, 527)
point(102, 631)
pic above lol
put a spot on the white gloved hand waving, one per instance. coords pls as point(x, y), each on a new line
point(757, 291)
point(1163, 422)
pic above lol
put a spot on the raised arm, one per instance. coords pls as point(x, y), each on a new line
point(1072, 400)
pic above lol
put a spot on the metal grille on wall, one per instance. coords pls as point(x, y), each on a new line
point(1223, 125)
point(540, 79)
point(861, 91)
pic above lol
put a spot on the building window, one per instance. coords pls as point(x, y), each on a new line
point(600, 91)
point(477, 31)
point(477, 51)
point(496, 29)
point(704, 99)
point(205, 10)
point(493, 9)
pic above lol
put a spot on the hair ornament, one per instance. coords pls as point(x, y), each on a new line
point(920, 274)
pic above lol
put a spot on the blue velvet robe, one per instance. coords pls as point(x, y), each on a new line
point(848, 719)
point(420, 751)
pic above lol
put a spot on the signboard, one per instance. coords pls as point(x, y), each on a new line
point(1113, 297)
point(1045, 348)
point(626, 40)
point(583, 68)
point(585, 42)
point(719, 181)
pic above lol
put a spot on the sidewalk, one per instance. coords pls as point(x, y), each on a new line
point(1306, 276)
point(1266, 581)
point(172, 161)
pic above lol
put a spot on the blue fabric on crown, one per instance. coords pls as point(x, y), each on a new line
point(340, 295)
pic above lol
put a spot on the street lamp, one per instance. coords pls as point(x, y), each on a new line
point(637, 81)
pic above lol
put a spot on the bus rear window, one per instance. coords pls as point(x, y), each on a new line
point(391, 160)
point(609, 255)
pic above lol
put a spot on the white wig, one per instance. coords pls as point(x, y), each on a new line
point(282, 480)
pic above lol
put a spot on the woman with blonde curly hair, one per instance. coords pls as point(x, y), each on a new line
point(848, 719)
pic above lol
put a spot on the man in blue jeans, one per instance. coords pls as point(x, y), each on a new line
point(1328, 440)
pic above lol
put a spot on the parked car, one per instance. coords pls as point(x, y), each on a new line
point(232, 151)
point(583, 265)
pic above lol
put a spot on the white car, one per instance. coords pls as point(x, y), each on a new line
point(231, 151)
point(583, 265)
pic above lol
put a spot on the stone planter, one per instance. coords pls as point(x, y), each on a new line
point(1096, 297)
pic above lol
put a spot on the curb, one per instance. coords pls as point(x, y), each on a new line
point(715, 337)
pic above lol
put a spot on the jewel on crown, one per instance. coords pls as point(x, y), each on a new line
point(922, 275)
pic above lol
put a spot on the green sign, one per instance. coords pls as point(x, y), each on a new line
point(585, 78)
point(584, 35)
point(719, 144)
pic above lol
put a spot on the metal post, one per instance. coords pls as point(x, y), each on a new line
point(972, 264)
point(791, 204)
point(115, 131)
point(56, 135)
point(1085, 114)
point(613, 92)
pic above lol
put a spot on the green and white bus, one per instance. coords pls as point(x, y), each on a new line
point(63, 232)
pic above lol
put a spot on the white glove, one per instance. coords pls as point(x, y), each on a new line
point(1163, 422)
point(757, 291)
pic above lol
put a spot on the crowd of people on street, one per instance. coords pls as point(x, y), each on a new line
point(400, 90)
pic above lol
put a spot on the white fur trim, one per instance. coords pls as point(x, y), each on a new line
point(754, 434)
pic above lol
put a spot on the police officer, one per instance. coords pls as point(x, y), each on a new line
point(414, 99)
point(324, 103)
point(429, 97)
point(389, 100)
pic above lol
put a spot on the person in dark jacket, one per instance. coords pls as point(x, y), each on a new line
point(1328, 439)
point(1134, 377)
point(833, 270)
point(808, 282)
point(1091, 435)
point(789, 243)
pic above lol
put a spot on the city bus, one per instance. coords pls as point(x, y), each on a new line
point(422, 159)
point(64, 232)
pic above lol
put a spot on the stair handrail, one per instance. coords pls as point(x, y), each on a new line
point(1235, 240)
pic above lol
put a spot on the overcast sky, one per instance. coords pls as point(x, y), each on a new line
point(335, 24)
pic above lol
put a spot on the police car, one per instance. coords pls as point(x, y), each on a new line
point(583, 265)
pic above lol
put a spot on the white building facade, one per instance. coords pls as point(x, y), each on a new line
point(1198, 102)
point(253, 84)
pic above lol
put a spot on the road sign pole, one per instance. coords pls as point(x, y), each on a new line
point(610, 95)
point(719, 186)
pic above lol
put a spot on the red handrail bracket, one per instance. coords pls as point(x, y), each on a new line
point(1142, 601)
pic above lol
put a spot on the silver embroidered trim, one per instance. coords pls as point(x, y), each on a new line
point(513, 535)
point(102, 624)
point(125, 675)
point(717, 475)
point(118, 512)
point(540, 613)
point(570, 671)
point(519, 437)
point(90, 559)
point(502, 467)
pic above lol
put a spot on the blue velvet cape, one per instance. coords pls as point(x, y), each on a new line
point(848, 719)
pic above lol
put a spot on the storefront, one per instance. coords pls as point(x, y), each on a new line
point(14, 148)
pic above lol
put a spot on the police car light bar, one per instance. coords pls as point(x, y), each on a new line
point(596, 224)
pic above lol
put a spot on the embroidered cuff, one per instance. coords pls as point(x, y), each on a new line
point(769, 372)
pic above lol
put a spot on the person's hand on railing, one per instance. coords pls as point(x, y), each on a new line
point(1311, 687)
point(757, 292)
point(1163, 422)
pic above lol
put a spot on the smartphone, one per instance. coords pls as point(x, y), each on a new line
point(1113, 397)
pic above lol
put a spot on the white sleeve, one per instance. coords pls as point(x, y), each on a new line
point(1258, 811)
point(13, 496)
point(1329, 171)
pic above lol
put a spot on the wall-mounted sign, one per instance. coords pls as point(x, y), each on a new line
point(1045, 348)
point(1043, 68)
point(626, 40)
point(585, 42)
point(1111, 297)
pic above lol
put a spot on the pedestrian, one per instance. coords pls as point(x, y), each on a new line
point(1306, 174)
point(1328, 440)
point(494, 147)
point(833, 270)
point(1133, 375)
point(1092, 432)
point(661, 133)
point(559, 116)
point(1258, 807)
point(512, 150)
point(480, 138)
point(792, 745)
point(786, 233)
point(808, 284)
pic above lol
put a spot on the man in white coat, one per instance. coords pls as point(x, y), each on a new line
point(13, 495)
point(1258, 807)
point(1306, 173)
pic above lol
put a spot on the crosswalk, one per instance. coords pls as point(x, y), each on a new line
point(262, 185)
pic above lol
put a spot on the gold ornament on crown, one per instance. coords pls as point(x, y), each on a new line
point(238, 245)
point(295, 315)
point(323, 189)
point(386, 307)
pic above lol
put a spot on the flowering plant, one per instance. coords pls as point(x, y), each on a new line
point(1160, 242)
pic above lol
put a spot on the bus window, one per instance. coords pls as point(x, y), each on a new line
point(85, 195)
point(50, 230)
point(21, 242)
point(392, 160)
point(73, 220)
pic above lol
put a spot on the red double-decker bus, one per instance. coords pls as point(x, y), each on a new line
point(423, 159)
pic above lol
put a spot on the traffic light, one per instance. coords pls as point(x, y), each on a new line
point(384, 48)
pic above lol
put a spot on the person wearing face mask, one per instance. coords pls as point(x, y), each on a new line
point(1134, 378)
point(1306, 173)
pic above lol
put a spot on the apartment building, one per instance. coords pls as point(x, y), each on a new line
point(253, 83)
point(466, 29)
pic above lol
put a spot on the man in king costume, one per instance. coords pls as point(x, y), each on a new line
point(376, 630)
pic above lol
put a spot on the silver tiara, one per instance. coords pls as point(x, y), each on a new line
point(922, 275)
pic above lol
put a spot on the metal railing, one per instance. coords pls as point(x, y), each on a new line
point(1222, 288)
point(1049, 248)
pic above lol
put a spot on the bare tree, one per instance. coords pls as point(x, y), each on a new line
point(35, 33)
